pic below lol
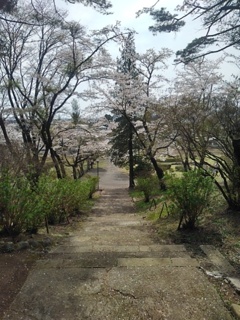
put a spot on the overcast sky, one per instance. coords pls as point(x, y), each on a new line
point(125, 11)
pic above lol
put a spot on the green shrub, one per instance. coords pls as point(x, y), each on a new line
point(190, 195)
point(91, 184)
point(66, 197)
point(25, 209)
point(149, 186)
point(18, 205)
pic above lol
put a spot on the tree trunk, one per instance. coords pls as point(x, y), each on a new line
point(74, 169)
point(5, 134)
point(56, 164)
point(186, 165)
point(131, 161)
point(233, 204)
point(63, 171)
point(159, 172)
point(236, 149)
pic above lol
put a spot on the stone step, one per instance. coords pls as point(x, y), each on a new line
point(161, 262)
point(71, 248)
point(117, 262)
point(115, 255)
point(218, 260)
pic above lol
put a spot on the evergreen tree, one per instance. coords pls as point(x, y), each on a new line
point(219, 19)
point(123, 135)
point(7, 5)
point(75, 115)
point(120, 143)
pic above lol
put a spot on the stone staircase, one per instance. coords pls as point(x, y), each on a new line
point(111, 268)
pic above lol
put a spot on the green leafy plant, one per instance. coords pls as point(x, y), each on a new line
point(91, 183)
point(65, 197)
point(23, 208)
point(149, 186)
point(18, 204)
point(189, 196)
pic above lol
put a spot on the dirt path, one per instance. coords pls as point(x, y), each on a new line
point(112, 269)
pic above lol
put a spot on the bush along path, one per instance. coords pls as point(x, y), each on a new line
point(111, 268)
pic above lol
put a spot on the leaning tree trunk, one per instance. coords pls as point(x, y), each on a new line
point(60, 170)
point(159, 172)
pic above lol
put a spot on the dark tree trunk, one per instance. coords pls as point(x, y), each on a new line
point(159, 172)
point(5, 134)
point(61, 165)
point(186, 165)
point(80, 170)
point(74, 169)
point(131, 160)
point(236, 149)
point(56, 164)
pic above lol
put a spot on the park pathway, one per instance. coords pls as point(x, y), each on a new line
point(112, 269)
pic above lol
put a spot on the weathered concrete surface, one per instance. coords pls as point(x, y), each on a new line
point(218, 260)
point(112, 269)
point(236, 310)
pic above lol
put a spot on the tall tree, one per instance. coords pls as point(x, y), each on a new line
point(126, 67)
point(119, 141)
point(42, 65)
point(153, 112)
point(144, 106)
point(220, 21)
point(205, 113)
point(75, 115)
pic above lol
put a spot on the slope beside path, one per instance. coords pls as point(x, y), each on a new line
point(112, 269)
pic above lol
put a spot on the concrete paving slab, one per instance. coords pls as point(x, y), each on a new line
point(115, 248)
point(235, 282)
point(89, 263)
point(144, 262)
point(168, 248)
point(218, 259)
point(236, 310)
point(71, 249)
point(118, 293)
point(160, 289)
point(50, 263)
point(184, 262)
point(170, 262)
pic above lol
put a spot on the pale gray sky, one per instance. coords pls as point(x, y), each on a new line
point(125, 11)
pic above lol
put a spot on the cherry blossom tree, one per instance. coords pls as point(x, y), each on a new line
point(205, 112)
point(43, 64)
point(139, 103)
